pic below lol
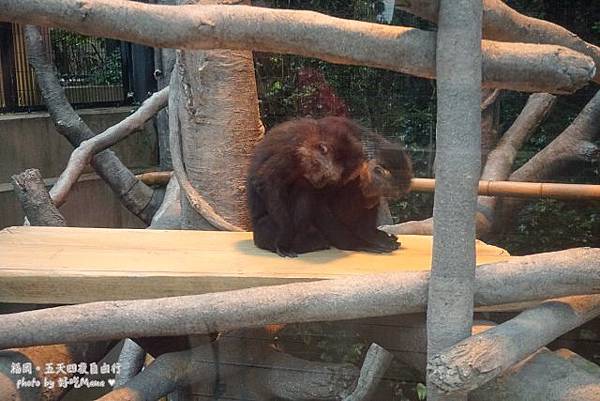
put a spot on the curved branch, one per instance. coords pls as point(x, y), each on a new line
point(524, 67)
point(84, 153)
point(526, 278)
point(500, 22)
point(134, 195)
point(200, 205)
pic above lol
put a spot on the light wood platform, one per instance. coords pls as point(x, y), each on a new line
point(74, 265)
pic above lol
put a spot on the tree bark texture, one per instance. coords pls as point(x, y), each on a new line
point(524, 67)
point(34, 198)
point(137, 197)
point(502, 23)
point(543, 376)
point(483, 357)
point(547, 376)
point(458, 164)
point(526, 278)
point(220, 125)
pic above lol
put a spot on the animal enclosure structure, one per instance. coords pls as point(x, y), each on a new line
point(210, 308)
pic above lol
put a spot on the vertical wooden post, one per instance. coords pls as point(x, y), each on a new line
point(458, 163)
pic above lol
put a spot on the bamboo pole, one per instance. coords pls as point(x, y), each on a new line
point(521, 189)
point(513, 189)
point(155, 177)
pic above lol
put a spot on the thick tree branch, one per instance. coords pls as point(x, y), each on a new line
point(135, 195)
point(131, 361)
point(84, 153)
point(269, 374)
point(566, 147)
point(524, 67)
point(483, 357)
point(543, 376)
point(528, 278)
point(32, 194)
point(500, 22)
point(374, 366)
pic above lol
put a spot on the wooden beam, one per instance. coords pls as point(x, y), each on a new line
point(72, 265)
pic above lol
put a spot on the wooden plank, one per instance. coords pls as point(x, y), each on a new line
point(74, 265)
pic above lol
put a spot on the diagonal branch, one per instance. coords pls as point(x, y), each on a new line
point(135, 195)
point(500, 22)
point(483, 357)
point(572, 144)
point(85, 152)
point(524, 67)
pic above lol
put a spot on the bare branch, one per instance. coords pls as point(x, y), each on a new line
point(526, 278)
point(84, 153)
point(135, 195)
point(500, 22)
point(566, 147)
point(374, 366)
point(38, 207)
point(524, 67)
point(131, 362)
point(500, 160)
point(483, 357)
point(490, 99)
point(269, 374)
point(200, 205)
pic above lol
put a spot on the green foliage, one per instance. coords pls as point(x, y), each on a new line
point(548, 225)
point(421, 392)
point(82, 60)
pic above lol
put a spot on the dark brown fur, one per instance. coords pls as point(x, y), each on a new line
point(354, 206)
point(296, 161)
point(341, 212)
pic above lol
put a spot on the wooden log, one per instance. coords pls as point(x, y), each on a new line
point(500, 22)
point(525, 67)
point(483, 357)
point(34, 198)
point(543, 376)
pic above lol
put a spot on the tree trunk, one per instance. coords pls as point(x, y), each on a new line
point(220, 125)
point(458, 163)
